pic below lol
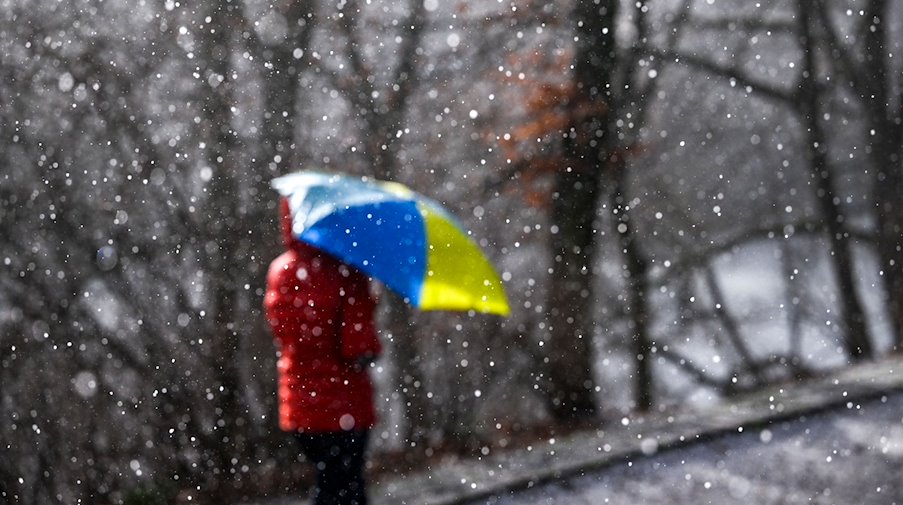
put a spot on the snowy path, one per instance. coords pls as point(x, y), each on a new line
point(843, 456)
point(837, 439)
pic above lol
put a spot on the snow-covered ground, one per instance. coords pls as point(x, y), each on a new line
point(844, 456)
point(833, 439)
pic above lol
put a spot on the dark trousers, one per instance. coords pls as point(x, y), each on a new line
point(339, 462)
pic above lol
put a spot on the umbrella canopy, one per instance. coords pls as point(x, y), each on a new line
point(407, 241)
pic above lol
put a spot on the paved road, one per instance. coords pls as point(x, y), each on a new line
point(852, 455)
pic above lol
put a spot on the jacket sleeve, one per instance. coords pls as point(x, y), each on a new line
point(358, 329)
point(279, 296)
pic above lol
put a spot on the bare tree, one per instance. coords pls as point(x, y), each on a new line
point(865, 67)
point(806, 99)
point(808, 105)
point(377, 97)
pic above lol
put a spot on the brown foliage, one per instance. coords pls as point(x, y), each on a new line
point(552, 134)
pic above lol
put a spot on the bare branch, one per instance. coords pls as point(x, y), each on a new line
point(747, 24)
point(730, 324)
point(686, 364)
point(841, 56)
point(733, 75)
point(767, 231)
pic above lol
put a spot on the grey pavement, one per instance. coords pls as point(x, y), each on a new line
point(850, 455)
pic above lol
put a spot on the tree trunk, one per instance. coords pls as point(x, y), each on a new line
point(224, 264)
point(380, 120)
point(855, 332)
point(569, 385)
point(569, 380)
point(409, 380)
point(887, 155)
point(885, 119)
point(638, 317)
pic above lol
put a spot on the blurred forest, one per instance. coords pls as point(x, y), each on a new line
point(686, 199)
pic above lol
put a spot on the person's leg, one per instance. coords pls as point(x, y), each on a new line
point(352, 468)
point(315, 448)
point(339, 462)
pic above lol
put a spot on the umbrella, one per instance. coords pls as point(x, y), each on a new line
point(405, 240)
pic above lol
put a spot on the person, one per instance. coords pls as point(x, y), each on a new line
point(321, 313)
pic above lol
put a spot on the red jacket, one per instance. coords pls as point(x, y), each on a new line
point(321, 315)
